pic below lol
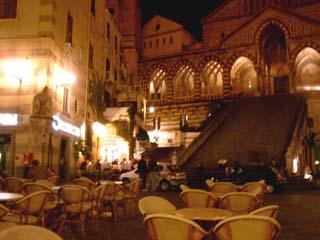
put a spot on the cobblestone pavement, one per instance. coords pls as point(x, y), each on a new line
point(299, 217)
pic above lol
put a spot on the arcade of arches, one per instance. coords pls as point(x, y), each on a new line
point(274, 52)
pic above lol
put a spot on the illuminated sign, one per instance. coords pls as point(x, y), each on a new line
point(8, 119)
point(63, 126)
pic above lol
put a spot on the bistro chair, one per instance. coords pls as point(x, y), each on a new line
point(153, 204)
point(246, 227)
point(30, 209)
point(97, 196)
point(76, 205)
point(239, 202)
point(223, 188)
point(168, 227)
point(131, 194)
point(54, 180)
point(85, 182)
point(45, 182)
point(113, 198)
point(257, 188)
point(195, 198)
point(269, 211)
point(184, 187)
point(209, 183)
point(14, 184)
point(28, 232)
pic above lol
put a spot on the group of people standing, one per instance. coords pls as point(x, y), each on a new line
point(148, 170)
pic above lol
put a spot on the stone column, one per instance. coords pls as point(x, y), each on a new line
point(226, 82)
point(292, 77)
point(258, 72)
point(197, 85)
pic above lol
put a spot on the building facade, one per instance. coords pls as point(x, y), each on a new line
point(249, 48)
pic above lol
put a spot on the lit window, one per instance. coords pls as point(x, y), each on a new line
point(69, 29)
point(65, 100)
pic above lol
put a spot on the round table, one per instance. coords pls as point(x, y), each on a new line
point(6, 196)
point(203, 214)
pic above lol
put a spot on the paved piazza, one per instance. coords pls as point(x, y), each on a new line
point(298, 216)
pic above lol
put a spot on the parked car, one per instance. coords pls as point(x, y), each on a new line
point(169, 176)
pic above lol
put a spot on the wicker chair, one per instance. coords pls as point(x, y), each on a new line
point(14, 184)
point(153, 204)
point(30, 209)
point(223, 187)
point(114, 198)
point(131, 194)
point(28, 233)
point(257, 188)
point(76, 205)
point(195, 198)
point(239, 202)
point(269, 211)
point(184, 187)
point(167, 227)
point(97, 196)
point(54, 180)
point(247, 227)
point(85, 182)
point(209, 183)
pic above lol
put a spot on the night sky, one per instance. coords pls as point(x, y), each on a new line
point(189, 13)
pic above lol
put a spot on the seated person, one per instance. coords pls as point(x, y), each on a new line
point(36, 172)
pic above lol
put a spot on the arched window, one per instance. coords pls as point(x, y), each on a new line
point(184, 83)
point(157, 86)
point(212, 79)
point(243, 76)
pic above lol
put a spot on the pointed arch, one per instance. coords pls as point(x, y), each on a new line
point(157, 84)
point(183, 84)
point(211, 79)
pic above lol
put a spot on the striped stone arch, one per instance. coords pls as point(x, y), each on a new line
point(203, 63)
point(209, 86)
point(183, 79)
point(154, 85)
point(275, 22)
point(227, 71)
point(153, 68)
point(294, 53)
point(179, 64)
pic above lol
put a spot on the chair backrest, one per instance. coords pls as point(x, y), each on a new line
point(34, 202)
point(34, 187)
point(257, 188)
point(73, 194)
point(269, 211)
point(195, 198)
point(89, 184)
point(246, 227)
point(184, 187)
point(112, 191)
point(239, 202)
point(165, 227)
point(54, 179)
point(45, 182)
point(133, 189)
point(14, 184)
point(3, 210)
point(153, 204)
point(223, 187)
point(28, 232)
point(98, 193)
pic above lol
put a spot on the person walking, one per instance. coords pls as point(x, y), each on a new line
point(153, 175)
point(142, 170)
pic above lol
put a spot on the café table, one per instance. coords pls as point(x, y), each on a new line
point(7, 196)
point(203, 214)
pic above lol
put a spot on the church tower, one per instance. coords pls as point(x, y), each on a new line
point(127, 15)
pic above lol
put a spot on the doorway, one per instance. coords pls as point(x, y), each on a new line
point(281, 85)
point(63, 158)
point(5, 147)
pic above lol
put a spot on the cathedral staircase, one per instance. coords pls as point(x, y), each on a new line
point(248, 130)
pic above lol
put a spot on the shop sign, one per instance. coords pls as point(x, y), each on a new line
point(8, 119)
point(63, 126)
